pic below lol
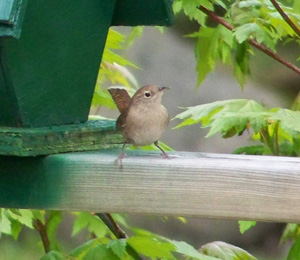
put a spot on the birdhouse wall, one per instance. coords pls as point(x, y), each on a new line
point(52, 68)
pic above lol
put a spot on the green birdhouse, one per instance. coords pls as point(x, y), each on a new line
point(50, 52)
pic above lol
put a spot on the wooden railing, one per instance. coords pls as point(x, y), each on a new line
point(189, 184)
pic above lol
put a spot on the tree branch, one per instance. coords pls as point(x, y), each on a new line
point(112, 225)
point(286, 17)
point(254, 43)
point(117, 231)
point(42, 229)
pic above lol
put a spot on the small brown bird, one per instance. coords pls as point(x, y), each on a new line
point(143, 118)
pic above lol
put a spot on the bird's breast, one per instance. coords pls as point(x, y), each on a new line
point(143, 127)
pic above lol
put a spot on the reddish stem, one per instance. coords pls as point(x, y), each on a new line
point(42, 229)
point(286, 17)
point(254, 43)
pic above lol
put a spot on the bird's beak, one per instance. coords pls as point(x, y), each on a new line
point(163, 88)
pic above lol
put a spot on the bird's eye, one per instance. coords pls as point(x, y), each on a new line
point(147, 94)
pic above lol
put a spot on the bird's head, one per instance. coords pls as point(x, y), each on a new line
point(148, 95)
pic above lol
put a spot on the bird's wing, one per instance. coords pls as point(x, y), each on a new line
point(120, 97)
point(121, 121)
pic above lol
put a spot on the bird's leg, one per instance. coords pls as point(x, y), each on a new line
point(164, 153)
point(121, 156)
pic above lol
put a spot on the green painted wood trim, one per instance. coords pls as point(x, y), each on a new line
point(6, 11)
point(143, 12)
point(92, 135)
point(11, 17)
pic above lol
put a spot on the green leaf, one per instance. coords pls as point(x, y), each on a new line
point(188, 250)
point(241, 63)
point(103, 98)
point(100, 252)
point(55, 218)
point(220, 3)
point(182, 220)
point(296, 6)
point(16, 228)
point(160, 28)
point(294, 252)
point(250, 150)
point(290, 120)
point(228, 116)
point(243, 32)
point(118, 247)
point(224, 251)
point(112, 57)
point(80, 251)
point(206, 3)
point(5, 223)
point(291, 232)
point(139, 232)
point(38, 214)
point(151, 247)
point(114, 40)
point(186, 122)
point(151, 147)
point(287, 148)
point(225, 54)
point(204, 53)
point(116, 75)
point(177, 6)
point(246, 225)
point(263, 35)
point(282, 28)
point(222, 42)
point(24, 216)
point(93, 223)
point(120, 219)
point(190, 8)
point(228, 122)
point(135, 32)
point(250, 3)
point(54, 255)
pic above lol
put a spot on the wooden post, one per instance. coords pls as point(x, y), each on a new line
point(189, 184)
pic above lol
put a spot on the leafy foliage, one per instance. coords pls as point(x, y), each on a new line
point(12, 220)
point(91, 222)
point(113, 67)
point(276, 129)
point(106, 246)
point(246, 225)
point(250, 19)
point(291, 232)
point(226, 251)
point(55, 255)
point(295, 250)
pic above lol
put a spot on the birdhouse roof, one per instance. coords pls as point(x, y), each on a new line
point(11, 17)
point(143, 12)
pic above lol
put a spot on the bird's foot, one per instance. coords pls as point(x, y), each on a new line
point(118, 161)
point(165, 155)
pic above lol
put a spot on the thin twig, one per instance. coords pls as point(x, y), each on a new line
point(286, 17)
point(215, 17)
point(254, 43)
point(117, 231)
point(42, 229)
point(276, 140)
point(266, 138)
point(112, 225)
